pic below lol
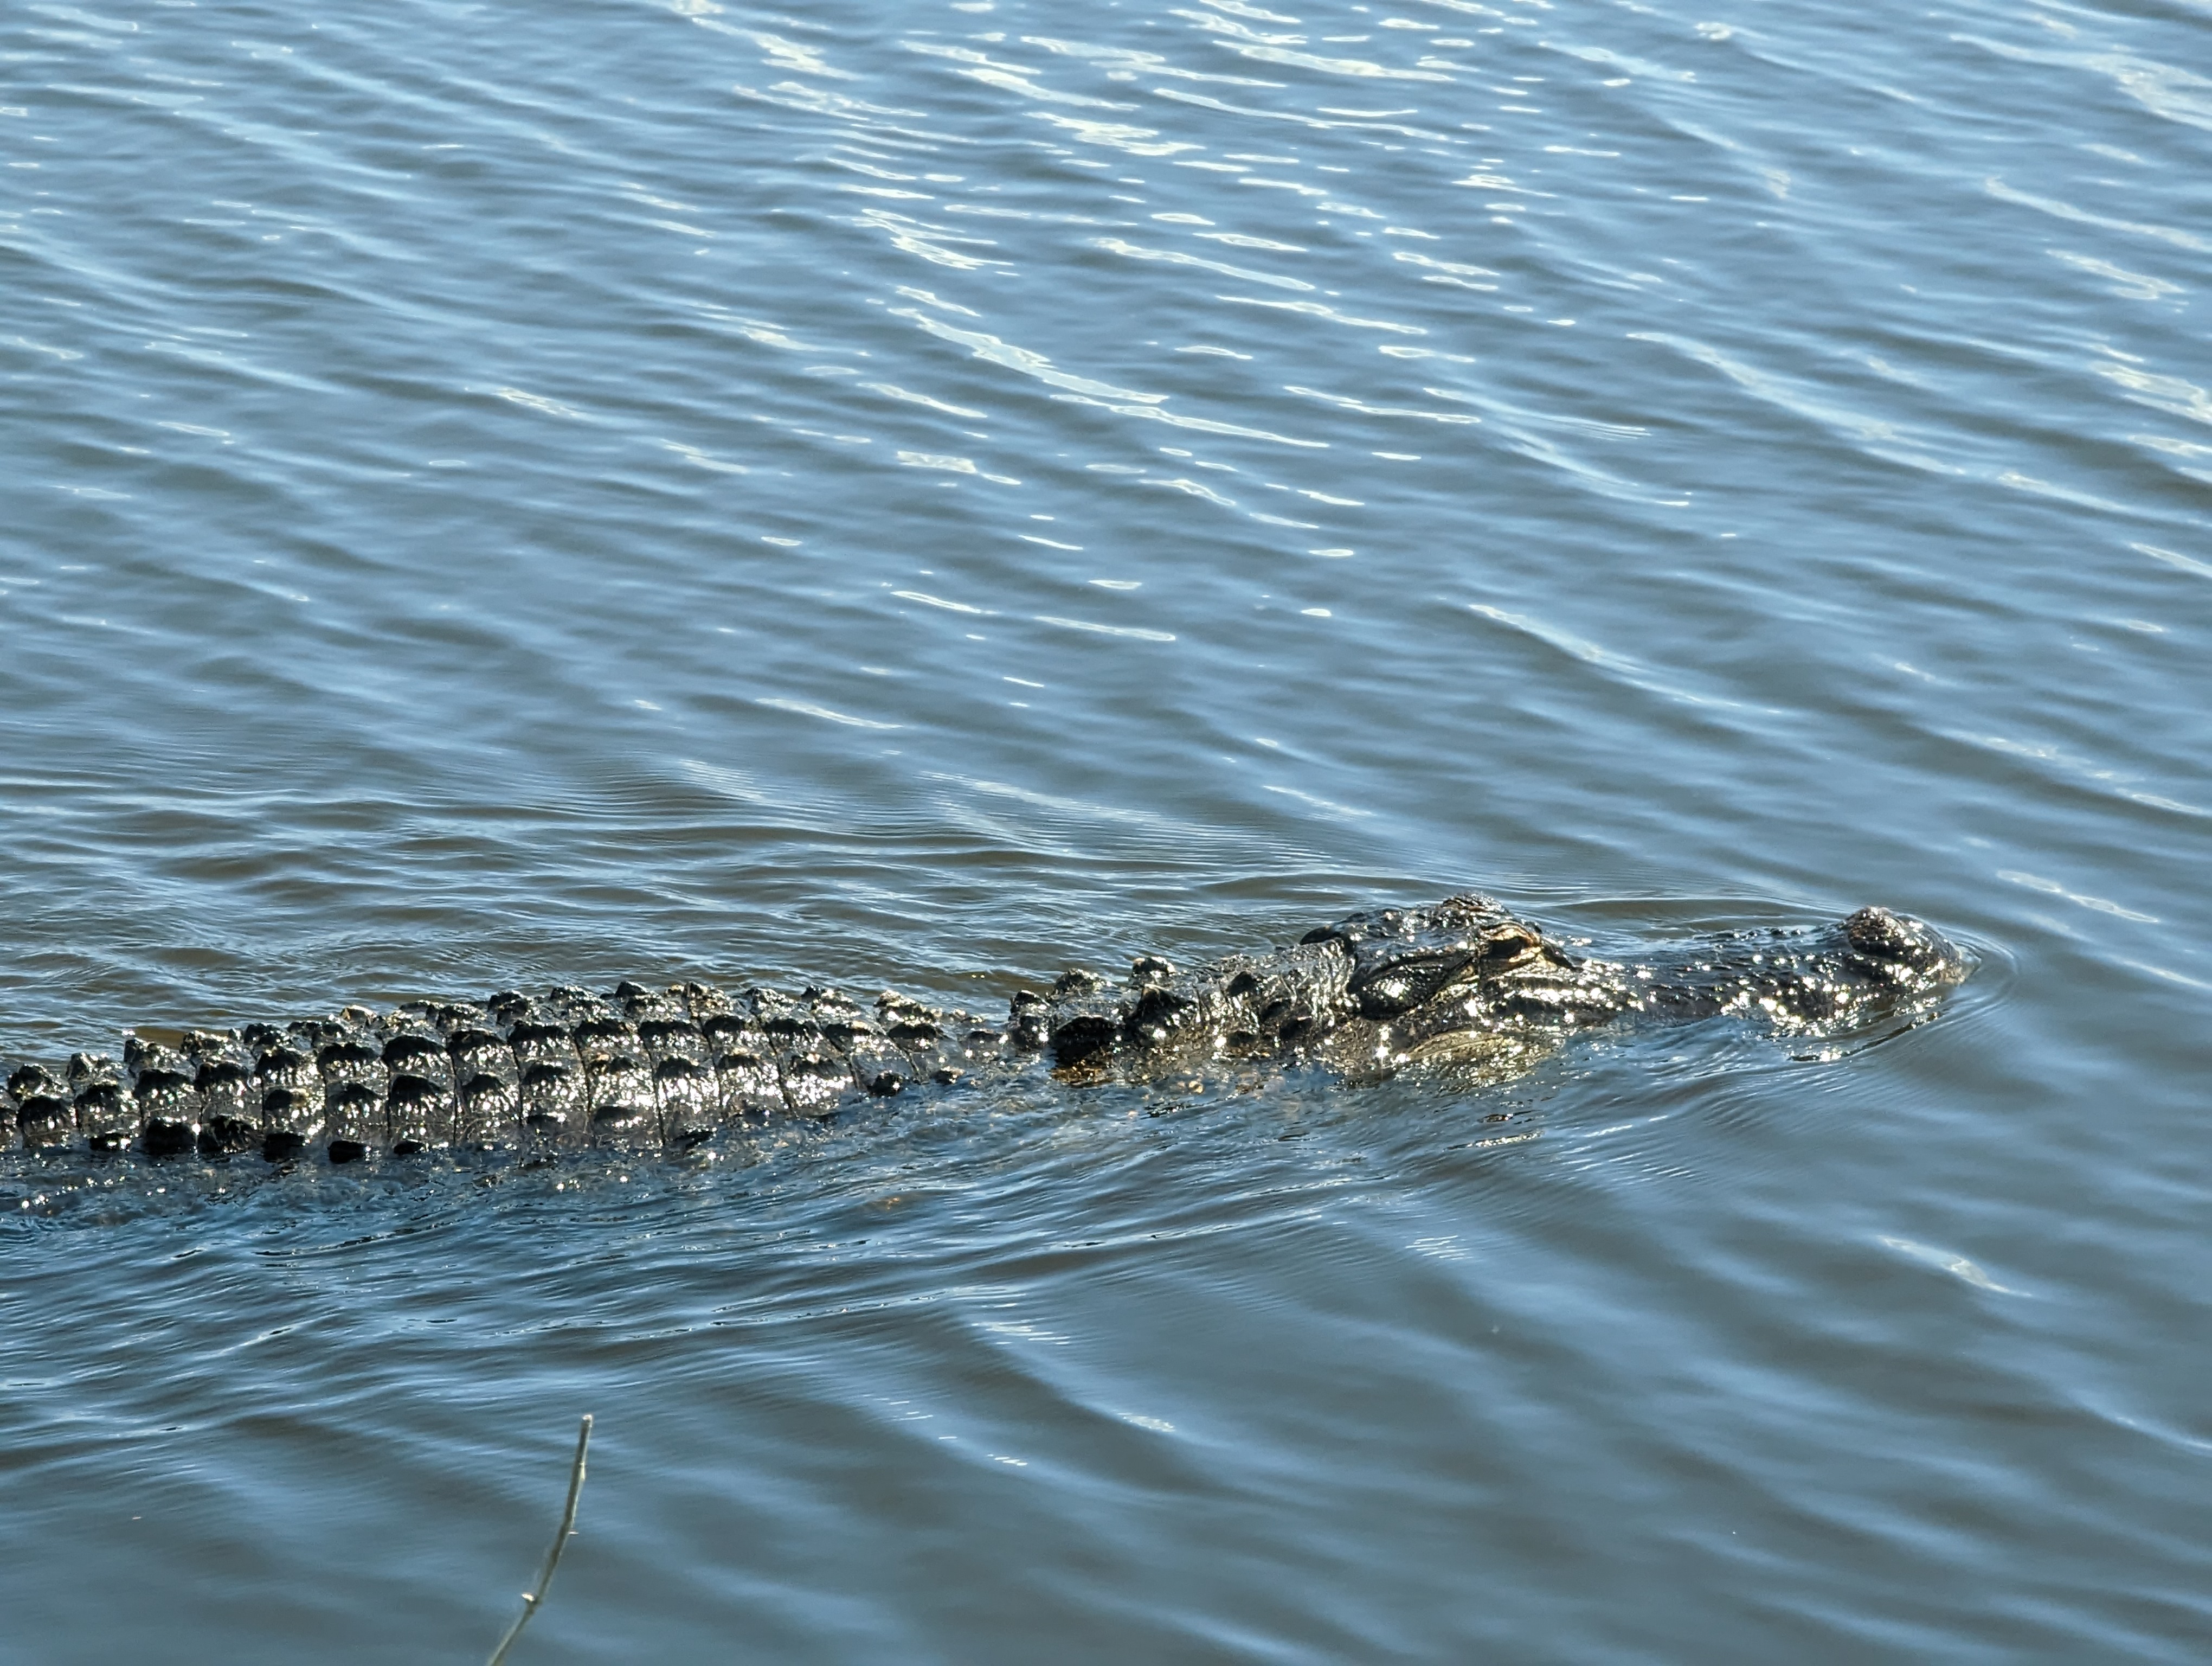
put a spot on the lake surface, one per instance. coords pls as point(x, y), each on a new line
point(496, 495)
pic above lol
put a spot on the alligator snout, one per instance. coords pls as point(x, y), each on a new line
point(1896, 948)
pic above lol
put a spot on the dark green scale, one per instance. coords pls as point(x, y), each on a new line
point(42, 1113)
point(418, 1095)
point(686, 1096)
point(169, 1106)
point(222, 1075)
point(739, 1050)
point(871, 1063)
point(486, 1095)
point(549, 1078)
point(351, 1057)
point(932, 1042)
point(106, 1118)
point(617, 1080)
point(808, 1068)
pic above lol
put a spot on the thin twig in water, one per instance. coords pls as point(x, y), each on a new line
point(531, 1598)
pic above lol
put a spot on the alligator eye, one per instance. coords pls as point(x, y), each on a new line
point(1510, 943)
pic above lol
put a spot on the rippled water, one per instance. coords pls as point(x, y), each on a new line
point(502, 494)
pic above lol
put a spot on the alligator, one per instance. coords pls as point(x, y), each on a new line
point(1463, 983)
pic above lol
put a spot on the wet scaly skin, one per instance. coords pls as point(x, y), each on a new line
point(1463, 984)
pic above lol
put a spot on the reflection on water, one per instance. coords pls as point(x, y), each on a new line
point(684, 491)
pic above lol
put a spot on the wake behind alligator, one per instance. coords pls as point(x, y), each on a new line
point(1462, 984)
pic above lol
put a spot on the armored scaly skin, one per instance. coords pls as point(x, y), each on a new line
point(1462, 981)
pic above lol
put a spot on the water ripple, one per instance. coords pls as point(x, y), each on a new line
point(495, 497)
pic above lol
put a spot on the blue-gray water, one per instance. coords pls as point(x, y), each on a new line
point(494, 493)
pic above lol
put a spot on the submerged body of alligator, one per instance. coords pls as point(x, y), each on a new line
point(669, 1066)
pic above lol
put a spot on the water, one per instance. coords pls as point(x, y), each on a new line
point(563, 493)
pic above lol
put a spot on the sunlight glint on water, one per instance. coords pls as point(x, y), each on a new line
point(926, 495)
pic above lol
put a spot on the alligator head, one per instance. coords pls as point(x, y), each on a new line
point(1372, 980)
point(1462, 977)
